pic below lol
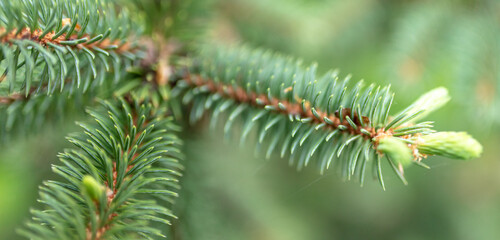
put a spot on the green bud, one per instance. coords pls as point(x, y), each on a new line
point(91, 188)
point(429, 102)
point(458, 145)
point(396, 150)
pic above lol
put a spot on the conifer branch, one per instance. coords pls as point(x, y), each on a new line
point(121, 177)
point(54, 40)
point(330, 123)
point(118, 181)
point(74, 49)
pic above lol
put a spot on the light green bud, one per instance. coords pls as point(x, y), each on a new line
point(397, 150)
point(458, 145)
point(429, 102)
point(91, 188)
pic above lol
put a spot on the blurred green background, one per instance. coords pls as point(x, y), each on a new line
point(230, 192)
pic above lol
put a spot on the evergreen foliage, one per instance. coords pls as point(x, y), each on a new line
point(58, 45)
point(69, 49)
point(122, 174)
point(311, 118)
point(120, 177)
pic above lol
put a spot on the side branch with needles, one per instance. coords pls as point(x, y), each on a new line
point(399, 139)
point(70, 35)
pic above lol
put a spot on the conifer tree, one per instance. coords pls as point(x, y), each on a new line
point(120, 179)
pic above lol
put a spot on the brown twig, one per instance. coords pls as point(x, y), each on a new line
point(10, 99)
point(36, 36)
point(294, 108)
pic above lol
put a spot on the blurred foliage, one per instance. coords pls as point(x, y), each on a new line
point(413, 45)
point(182, 19)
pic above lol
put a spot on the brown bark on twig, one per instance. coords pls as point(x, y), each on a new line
point(36, 36)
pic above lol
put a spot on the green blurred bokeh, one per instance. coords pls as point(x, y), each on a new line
point(229, 192)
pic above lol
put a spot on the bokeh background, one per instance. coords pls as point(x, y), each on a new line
point(231, 192)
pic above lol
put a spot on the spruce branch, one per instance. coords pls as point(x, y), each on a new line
point(293, 107)
point(75, 41)
point(46, 42)
point(74, 50)
point(120, 178)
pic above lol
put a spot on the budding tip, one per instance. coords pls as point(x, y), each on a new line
point(457, 145)
point(91, 188)
point(396, 150)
